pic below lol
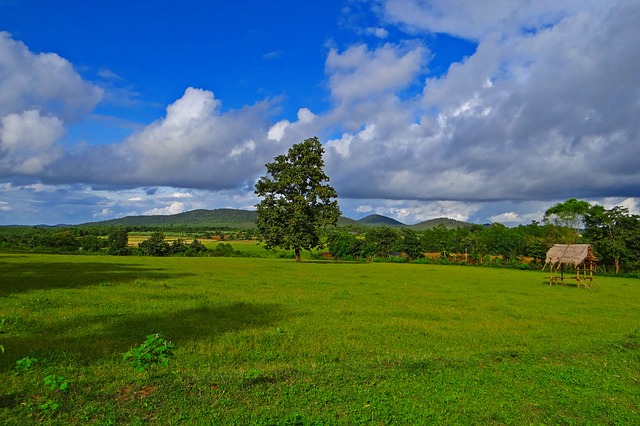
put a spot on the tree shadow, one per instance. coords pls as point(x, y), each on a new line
point(109, 335)
point(24, 277)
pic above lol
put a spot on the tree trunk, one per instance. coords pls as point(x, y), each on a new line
point(297, 250)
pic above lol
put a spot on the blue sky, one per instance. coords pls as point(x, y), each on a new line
point(427, 108)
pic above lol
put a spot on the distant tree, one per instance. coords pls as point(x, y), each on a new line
point(381, 241)
point(297, 199)
point(344, 244)
point(117, 242)
point(195, 248)
point(92, 243)
point(63, 241)
point(223, 249)
point(177, 247)
point(570, 214)
point(615, 235)
point(155, 245)
point(411, 244)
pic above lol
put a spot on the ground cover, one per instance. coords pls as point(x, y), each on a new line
point(268, 341)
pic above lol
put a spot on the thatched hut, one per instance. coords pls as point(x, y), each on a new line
point(580, 256)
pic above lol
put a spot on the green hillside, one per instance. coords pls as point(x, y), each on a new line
point(232, 218)
point(441, 221)
point(379, 220)
point(245, 219)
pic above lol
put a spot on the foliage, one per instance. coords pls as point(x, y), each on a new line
point(342, 244)
point(153, 351)
point(297, 199)
point(224, 249)
point(24, 364)
point(155, 245)
point(56, 385)
point(195, 248)
point(569, 214)
point(615, 235)
point(380, 242)
point(117, 242)
point(56, 382)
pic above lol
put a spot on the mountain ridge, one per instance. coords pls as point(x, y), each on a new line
point(244, 219)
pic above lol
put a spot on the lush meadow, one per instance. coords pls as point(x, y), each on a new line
point(269, 341)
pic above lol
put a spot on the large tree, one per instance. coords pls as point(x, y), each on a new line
point(297, 199)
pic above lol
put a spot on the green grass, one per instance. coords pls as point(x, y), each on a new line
point(268, 341)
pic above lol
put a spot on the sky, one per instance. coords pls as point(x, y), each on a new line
point(484, 112)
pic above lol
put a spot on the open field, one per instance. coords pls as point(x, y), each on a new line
point(269, 341)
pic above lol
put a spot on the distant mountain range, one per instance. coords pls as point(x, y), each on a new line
point(244, 219)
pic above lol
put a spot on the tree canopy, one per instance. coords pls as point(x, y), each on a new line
point(570, 213)
point(297, 200)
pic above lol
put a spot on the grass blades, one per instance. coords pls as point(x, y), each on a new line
point(268, 341)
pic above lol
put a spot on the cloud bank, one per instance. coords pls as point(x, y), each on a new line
point(546, 108)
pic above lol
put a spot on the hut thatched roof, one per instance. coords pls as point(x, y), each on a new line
point(570, 254)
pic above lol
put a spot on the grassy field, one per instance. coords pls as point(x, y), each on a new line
point(268, 341)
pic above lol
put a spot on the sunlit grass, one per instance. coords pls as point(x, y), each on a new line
point(266, 341)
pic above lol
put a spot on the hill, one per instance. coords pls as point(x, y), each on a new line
point(231, 218)
point(379, 220)
point(245, 219)
point(441, 221)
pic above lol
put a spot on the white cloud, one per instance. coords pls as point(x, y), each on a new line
point(108, 75)
point(194, 146)
point(378, 32)
point(359, 73)
point(545, 109)
point(305, 115)
point(4, 206)
point(44, 82)
point(174, 208)
point(558, 120)
point(276, 132)
point(27, 142)
point(508, 217)
point(181, 195)
point(476, 20)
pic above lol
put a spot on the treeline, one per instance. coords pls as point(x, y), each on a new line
point(114, 241)
point(613, 233)
point(495, 245)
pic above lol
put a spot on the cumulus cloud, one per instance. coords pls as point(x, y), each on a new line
point(359, 73)
point(276, 132)
point(174, 208)
point(43, 81)
point(194, 146)
point(475, 20)
point(27, 142)
point(546, 108)
point(542, 114)
point(39, 94)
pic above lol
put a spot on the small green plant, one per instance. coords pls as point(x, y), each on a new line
point(252, 374)
point(24, 364)
point(153, 351)
point(56, 385)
